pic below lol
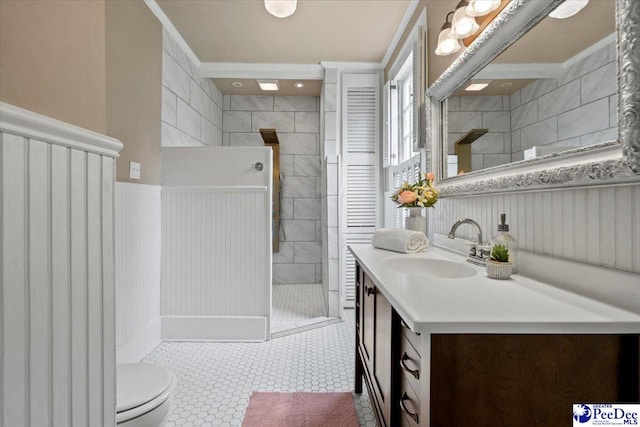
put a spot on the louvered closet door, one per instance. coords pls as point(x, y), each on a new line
point(360, 182)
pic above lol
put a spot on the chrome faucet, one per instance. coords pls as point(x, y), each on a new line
point(478, 251)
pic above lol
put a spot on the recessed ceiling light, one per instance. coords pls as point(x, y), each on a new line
point(268, 84)
point(299, 85)
point(474, 87)
point(506, 84)
point(236, 84)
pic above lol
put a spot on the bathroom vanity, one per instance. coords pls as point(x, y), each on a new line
point(440, 344)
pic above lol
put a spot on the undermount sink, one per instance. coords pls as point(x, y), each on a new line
point(431, 267)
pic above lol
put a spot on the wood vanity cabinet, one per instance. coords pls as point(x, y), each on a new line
point(484, 379)
point(374, 320)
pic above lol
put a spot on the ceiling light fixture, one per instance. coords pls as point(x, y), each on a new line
point(482, 7)
point(236, 84)
point(506, 84)
point(281, 8)
point(447, 44)
point(299, 85)
point(463, 25)
point(568, 8)
point(269, 85)
point(477, 86)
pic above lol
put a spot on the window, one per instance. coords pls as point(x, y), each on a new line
point(402, 123)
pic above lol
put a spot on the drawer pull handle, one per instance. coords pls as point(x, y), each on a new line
point(404, 325)
point(415, 373)
point(370, 290)
point(413, 415)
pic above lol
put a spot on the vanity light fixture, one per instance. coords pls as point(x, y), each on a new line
point(477, 86)
point(482, 7)
point(446, 43)
point(281, 8)
point(463, 25)
point(568, 8)
point(268, 85)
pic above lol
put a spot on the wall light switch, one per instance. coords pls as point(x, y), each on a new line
point(134, 170)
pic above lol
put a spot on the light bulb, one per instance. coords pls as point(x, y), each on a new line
point(482, 7)
point(462, 24)
point(446, 44)
point(568, 8)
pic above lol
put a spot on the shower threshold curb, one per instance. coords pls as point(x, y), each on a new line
point(318, 322)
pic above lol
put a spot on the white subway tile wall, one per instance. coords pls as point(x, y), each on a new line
point(575, 110)
point(295, 119)
point(191, 105)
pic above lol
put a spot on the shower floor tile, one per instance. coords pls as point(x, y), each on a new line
point(295, 306)
point(215, 380)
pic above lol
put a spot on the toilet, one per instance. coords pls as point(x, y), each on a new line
point(143, 395)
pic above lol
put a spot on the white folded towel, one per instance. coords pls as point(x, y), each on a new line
point(400, 240)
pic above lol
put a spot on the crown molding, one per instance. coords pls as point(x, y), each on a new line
point(364, 66)
point(171, 29)
point(241, 70)
point(611, 38)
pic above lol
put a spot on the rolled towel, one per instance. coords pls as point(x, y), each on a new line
point(400, 240)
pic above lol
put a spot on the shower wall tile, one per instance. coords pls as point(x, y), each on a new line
point(245, 140)
point(560, 100)
point(497, 121)
point(236, 121)
point(307, 122)
point(251, 103)
point(481, 103)
point(169, 107)
point(188, 119)
point(286, 207)
point(299, 186)
point(298, 143)
point(599, 83)
point(307, 165)
point(295, 103)
point(285, 255)
point(296, 120)
point(586, 119)
point(308, 252)
point(287, 164)
point(191, 105)
point(299, 230)
point(294, 273)
point(306, 208)
point(282, 122)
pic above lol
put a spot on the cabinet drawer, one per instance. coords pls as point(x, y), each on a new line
point(409, 363)
point(413, 337)
point(409, 403)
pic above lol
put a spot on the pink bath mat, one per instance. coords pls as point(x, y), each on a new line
point(300, 410)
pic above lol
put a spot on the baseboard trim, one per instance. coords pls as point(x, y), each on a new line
point(214, 328)
point(140, 344)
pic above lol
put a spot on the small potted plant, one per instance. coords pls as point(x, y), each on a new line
point(499, 266)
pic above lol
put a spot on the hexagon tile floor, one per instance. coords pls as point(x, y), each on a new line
point(215, 380)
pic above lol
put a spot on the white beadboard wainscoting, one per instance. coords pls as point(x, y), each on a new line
point(216, 244)
point(586, 240)
point(58, 297)
point(138, 254)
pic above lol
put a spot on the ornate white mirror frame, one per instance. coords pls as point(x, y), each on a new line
point(607, 163)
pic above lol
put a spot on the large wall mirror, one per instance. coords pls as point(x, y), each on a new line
point(549, 97)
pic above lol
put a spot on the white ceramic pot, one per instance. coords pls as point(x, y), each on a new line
point(498, 270)
point(416, 221)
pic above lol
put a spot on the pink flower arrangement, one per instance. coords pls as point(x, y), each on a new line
point(421, 194)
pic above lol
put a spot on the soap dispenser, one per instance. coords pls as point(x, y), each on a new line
point(506, 239)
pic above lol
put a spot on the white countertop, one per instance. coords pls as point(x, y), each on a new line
point(478, 304)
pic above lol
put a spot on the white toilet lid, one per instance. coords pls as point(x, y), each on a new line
point(139, 383)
